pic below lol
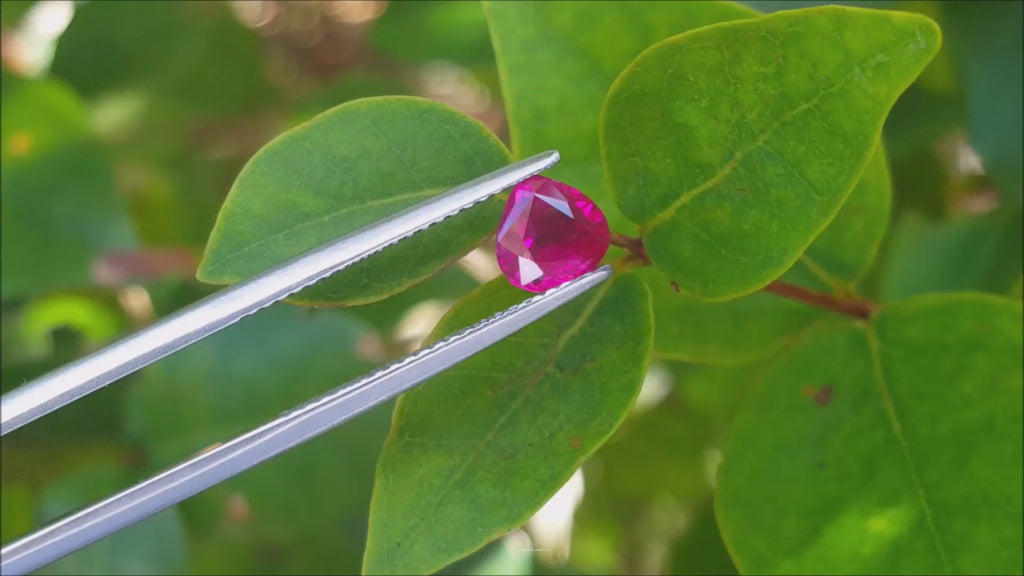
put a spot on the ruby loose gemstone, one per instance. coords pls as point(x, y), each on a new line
point(549, 234)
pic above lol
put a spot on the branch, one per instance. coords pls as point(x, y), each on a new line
point(635, 247)
point(125, 267)
point(854, 308)
point(860, 309)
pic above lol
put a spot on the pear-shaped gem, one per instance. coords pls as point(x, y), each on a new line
point(549, 234)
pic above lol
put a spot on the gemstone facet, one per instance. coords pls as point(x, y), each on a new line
point(549, 234)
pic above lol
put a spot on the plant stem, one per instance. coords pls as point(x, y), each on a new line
point(854, 308)
point(635, 247)
point(861, 309)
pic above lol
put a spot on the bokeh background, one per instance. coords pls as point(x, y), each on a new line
point(123, 127)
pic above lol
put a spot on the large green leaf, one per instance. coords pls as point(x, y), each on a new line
point(892, 447)
point(304, 511)
point(60, 209)
point(347, 168)
point(734, 145)
point(753, 326)
point(481, 447)
point(557, 61)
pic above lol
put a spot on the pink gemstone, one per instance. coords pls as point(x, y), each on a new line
point(549, 234)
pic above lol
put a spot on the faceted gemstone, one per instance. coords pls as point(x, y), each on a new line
point(549, 234)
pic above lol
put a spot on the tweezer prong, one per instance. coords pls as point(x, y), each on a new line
point(69, 383)
point(289, 430)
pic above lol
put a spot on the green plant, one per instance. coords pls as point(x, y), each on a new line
point(842, 324)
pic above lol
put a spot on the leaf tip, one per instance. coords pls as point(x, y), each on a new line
point(929, 34)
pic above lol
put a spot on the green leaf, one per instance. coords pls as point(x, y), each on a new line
point(308, 505)
point(754, 326)
point(505, 556)
point(891, 447)
point(734, 145)
point(482, 446)
point(732, 332)
point(60, 209)
point(982, 253)
point(347, 168)
point(154, 546)
point(985, 38)
point(701, 550)
point(557, 61)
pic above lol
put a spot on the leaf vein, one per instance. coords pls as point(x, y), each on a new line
point(897, 429)
point(322, 220)
point(519, 401)
point(740, 155)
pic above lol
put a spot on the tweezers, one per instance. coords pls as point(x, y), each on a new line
point(71, 382)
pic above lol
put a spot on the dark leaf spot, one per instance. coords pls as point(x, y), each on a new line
point(821, 396)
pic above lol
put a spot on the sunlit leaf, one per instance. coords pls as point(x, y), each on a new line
point(754, 326)
point(557, 61)
point(887, 447)
point(343, 170)
point(734, 145)
point(480, 447)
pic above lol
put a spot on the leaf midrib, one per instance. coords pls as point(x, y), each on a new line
point(730, 166)
point(219, 263)
point(890, 410)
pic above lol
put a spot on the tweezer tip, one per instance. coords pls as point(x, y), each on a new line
point(542, 161)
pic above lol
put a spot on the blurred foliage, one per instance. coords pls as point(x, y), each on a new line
point(127, 142)
point(154, 546)
point(60, 206)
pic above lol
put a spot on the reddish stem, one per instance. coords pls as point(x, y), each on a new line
point(860, 309)
point(854, 308)
point(635, 247)
point(120, 268)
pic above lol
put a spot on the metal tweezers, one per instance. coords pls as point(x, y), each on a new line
point(71, 382)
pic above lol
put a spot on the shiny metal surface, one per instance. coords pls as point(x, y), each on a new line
point(291, 429)
point(68, 383)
